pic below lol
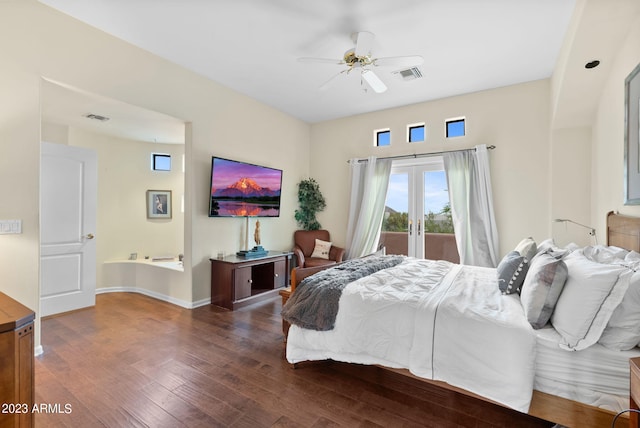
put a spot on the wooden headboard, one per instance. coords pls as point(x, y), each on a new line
point(623, 231)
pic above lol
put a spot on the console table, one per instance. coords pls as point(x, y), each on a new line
point(17, 367)
point(239, 281)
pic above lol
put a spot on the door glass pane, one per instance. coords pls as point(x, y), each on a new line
point(395, 222)
point(439, 239)
point(437, 211)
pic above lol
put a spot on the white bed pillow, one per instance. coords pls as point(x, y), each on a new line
point(549, 246)
point(527, 248)
point(604, 254)
point(623, 330)
point(542, 287)
point(321, 250)
point(590, 295)
point(632, 256)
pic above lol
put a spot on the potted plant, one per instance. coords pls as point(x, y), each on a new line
point(311, 201)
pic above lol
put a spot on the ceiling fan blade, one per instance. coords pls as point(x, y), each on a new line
point(326, 85)
point(399, 61)
point(322, 60)
point(364, 43)
point(374, 81)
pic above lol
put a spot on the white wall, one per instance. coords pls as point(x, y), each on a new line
point(514, 118)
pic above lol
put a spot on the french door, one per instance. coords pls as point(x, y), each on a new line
point(417, 203)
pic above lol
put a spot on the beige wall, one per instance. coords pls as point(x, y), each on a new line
point(608, 134)
point(514, 118)
point(19, 166)
point(38, 42)
point(570, 186)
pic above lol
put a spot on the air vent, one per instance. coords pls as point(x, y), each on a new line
point(410, 73)
point(96, 117)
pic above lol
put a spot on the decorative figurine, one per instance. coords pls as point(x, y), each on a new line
point(256, 234)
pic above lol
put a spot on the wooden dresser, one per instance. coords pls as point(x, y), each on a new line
point(17, 367)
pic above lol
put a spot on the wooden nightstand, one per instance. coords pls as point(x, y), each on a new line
point(634, 398)
point(285, 293)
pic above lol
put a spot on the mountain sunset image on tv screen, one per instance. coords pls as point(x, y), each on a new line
point(240, 189)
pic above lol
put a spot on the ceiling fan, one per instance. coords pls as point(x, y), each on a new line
point(360, 59)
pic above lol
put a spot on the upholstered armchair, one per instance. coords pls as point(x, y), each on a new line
point(305, 244)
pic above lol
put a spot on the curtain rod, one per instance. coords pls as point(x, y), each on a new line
point(421, 155)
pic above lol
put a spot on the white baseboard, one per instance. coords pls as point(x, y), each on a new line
point(202, 302)
point(38, 350)
point(155, 295)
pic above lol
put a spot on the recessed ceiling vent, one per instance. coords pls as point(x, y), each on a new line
point(410, 73)
point(96, 117)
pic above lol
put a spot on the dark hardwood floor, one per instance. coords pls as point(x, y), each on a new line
point(133, 361)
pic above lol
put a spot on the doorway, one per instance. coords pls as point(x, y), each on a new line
point(124, 143)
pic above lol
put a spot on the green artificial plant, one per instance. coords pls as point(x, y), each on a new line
point(311, 201)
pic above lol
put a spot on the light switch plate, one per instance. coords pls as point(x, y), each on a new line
point(8, 227)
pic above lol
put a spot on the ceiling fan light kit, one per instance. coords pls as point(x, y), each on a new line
point(360, 58)
point(374, 81)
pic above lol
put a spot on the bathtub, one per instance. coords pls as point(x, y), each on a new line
point(162, 279)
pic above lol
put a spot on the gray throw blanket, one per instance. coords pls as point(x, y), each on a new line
point(314, 304)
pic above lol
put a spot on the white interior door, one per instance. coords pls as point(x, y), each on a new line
point(68, 200)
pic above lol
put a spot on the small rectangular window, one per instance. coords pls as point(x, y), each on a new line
point(455, 128)
point(383, 137)
point(160, 162)
point(415, 133)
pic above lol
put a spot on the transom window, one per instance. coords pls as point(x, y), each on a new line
point(455, 127)
point(160, 162)
point(415, 133)
point(382, 137)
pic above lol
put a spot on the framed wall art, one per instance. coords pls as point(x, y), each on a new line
point(159, 204)
point(631, 138)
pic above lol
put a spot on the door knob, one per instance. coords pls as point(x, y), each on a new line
point(90, 236)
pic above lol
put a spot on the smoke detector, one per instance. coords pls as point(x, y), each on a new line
point(409, 73)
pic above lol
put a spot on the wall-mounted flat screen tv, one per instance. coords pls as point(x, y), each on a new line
point(240, 189)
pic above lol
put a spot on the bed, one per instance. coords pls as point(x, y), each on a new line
point(527, 342)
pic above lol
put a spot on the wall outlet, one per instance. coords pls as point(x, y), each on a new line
point(8, 227)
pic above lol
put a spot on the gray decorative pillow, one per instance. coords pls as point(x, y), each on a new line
point(542, 288)
point(511, 272)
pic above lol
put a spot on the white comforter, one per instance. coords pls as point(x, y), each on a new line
point(439, 320)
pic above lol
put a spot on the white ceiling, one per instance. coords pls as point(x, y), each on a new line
point(252, 46)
